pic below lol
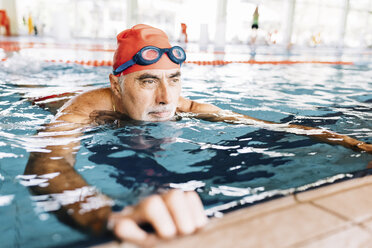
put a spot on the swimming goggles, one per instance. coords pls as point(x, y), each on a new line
point(149, 55)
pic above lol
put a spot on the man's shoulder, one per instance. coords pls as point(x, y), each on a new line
point(96, 96)
point(84, 103)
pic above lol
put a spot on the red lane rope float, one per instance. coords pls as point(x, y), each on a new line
point(85, 62)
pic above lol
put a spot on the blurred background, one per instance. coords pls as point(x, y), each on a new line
point(282, 23)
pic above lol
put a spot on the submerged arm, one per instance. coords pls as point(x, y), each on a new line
point(58, 158)
point(212, 113)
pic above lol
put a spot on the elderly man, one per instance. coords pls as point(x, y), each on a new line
point(145, 86)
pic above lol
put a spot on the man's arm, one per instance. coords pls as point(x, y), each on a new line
point(212, 113)
point(59, 158)
point(172, 213)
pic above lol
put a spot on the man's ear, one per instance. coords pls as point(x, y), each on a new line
point(115, 85)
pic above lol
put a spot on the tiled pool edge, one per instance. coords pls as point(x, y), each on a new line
point(338, 215)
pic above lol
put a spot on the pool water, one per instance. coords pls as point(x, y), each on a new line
point(229, 165)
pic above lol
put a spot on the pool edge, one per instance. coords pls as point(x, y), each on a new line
point(337, 215)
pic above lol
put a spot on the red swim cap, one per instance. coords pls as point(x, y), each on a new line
point(130, 41)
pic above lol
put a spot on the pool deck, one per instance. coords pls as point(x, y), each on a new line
point(338, 215)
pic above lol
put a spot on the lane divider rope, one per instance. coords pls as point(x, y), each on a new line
point(212, 62)
point(280, 62)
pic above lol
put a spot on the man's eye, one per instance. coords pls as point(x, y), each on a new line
point(175, 80)
point(149, 81)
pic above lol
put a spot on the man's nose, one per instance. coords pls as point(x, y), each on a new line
point(162, 93)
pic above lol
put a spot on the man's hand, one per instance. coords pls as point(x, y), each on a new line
point(171, 214)
point(365, 147)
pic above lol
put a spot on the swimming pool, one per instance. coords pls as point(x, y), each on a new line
point(229, 165)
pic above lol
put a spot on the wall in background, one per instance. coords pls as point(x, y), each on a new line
point(314, 22)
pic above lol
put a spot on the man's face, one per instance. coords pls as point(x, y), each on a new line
point(150, 95)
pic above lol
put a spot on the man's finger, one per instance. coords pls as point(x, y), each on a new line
point(127, 229)
point(154, 211)
point(179, 208)
point(196, 208)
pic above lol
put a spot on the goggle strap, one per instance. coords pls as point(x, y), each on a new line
point(124, 67)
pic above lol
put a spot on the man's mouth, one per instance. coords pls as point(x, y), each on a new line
point(160, 114)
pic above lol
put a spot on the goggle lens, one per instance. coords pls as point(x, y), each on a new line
point(178, 53)
point(150, 54)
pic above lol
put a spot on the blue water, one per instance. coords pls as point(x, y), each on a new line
point(228, 165)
